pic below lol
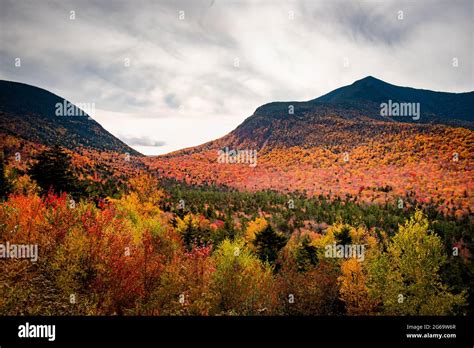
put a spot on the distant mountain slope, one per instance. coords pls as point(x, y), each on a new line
point(353, 110)
point(340, 145)
point(436, 107)
point(364, 97)
point(30, 113)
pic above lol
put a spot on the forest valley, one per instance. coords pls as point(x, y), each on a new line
point(120, 237)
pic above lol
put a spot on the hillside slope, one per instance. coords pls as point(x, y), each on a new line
point(333, 146)
point(29, 112)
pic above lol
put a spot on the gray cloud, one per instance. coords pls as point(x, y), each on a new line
point(143, 141)
point(172, 101)
point(184, 71)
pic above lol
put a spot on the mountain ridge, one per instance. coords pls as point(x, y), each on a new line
point(314, 122)
point(341, 147)
point(29, 112)
point(365, 95)
point(359, 102)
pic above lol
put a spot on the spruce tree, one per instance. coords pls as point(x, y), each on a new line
point(53, 171)
point(268, 243)
point(4, 185)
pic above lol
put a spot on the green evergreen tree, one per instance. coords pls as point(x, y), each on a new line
point(4, 184)
point(343, 236)
point(53, 171)
point(229, 226)
point(268, 243)
point(306, 255)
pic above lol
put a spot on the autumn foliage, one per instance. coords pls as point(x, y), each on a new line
point(185, 235)
point(127, 256)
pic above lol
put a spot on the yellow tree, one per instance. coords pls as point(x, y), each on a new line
point(353, 290)
point(406, 278)
point(254, 227)
point(243, 285)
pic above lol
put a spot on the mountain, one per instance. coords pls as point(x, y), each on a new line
point(354, 110)
point(39, 116)
point(365, 96)
point(340, 145)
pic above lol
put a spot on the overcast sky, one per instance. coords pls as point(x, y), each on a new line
point(171, 74)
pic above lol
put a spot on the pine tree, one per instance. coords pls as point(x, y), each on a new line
point(343, 236)
point(4, 185)
point(268, 243)
point(306, 255)
point(52, 171)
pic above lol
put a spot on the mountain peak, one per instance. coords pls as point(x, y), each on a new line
point(363, 98)
point(369, 79)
